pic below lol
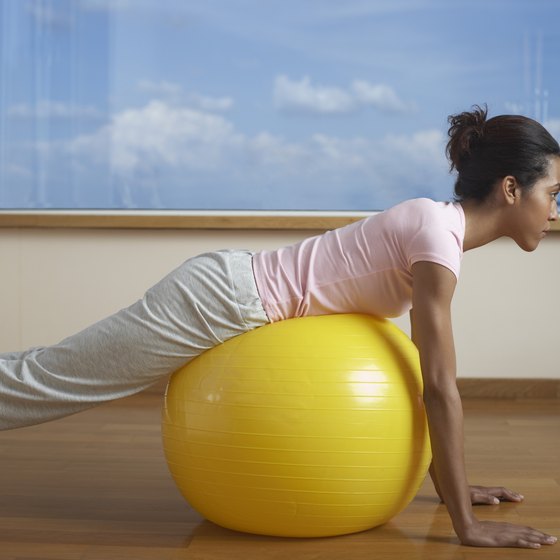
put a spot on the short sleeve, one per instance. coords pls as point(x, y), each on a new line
point(437, 245)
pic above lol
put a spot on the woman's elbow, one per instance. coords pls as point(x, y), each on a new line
point(440, 392)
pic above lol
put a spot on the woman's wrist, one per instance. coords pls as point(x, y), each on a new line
point(465, 527)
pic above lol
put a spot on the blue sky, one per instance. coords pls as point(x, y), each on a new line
point(246, 104)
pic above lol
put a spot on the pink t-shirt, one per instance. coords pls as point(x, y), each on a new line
point(364, 267)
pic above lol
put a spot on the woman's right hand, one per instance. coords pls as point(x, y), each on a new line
point(498, 534)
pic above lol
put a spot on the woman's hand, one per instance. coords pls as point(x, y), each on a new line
point(496, 534)
point(493, 495)
point(489, 495)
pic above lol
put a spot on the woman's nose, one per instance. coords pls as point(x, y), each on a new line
point(553, 216)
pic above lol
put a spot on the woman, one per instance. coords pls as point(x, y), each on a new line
point(405, 258)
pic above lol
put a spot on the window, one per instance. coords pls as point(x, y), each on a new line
point(256, 105)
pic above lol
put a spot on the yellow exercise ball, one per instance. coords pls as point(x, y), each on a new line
point(308, 427)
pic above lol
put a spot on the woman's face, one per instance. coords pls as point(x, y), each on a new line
point(537, 208)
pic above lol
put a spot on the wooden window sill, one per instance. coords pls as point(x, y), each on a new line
point(177, 220)
point(146, 219)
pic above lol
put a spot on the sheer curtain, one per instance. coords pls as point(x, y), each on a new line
point(47, 102)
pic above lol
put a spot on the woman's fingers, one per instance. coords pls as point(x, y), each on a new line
point(527, 544)
point(505, 494)
point(532, 538)
point(492, 533)
point(493, 495)
point(536, 540)
point(478, 498)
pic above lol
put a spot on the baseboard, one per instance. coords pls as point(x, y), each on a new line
point(509, 388)
point(474, 388)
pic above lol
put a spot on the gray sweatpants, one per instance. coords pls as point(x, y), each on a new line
point(204, 302)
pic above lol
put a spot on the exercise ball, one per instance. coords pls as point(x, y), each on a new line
point(308, 427)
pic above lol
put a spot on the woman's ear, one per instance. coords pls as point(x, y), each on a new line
point(510, 189)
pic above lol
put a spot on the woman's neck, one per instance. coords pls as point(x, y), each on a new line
point(482, 224)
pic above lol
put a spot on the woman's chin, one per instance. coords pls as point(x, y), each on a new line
point(528, 245)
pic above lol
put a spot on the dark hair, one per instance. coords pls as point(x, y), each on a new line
point(484, 151)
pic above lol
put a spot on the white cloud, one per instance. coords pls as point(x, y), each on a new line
point(303, 96)
point(207, 103)
point(425, 145)
point(183, 146)
point(268, 149)
point(514, 108)
point(174, 92)
point(162, 88)
point(380, 96)
point(53, 109)
point(345, 153)
point(395, 167)
point(160, 134)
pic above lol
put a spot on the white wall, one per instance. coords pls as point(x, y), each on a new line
point(55, 282)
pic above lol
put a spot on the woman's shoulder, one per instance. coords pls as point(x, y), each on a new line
point(417, 212)
point(425, 212)
point(411, 216)
point(421, 204)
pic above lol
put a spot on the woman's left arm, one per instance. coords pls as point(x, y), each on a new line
point(487, 495)
point(432, 471)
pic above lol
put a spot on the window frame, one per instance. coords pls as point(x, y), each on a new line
point(173, 219)
point(186, 219)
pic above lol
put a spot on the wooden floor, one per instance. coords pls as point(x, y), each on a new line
point(95, 486)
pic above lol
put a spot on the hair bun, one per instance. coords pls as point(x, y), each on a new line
point(465, 132)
